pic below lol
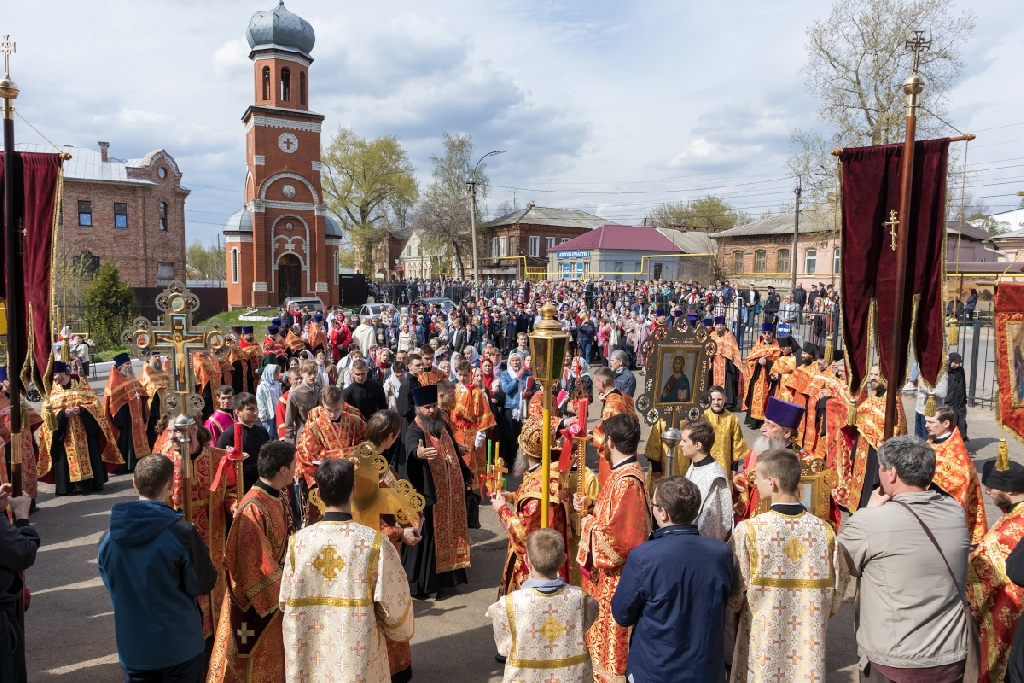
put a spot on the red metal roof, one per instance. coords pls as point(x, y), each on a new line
point(625, 237)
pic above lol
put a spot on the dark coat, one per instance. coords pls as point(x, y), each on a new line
point(674, 591)
point(1015, 663)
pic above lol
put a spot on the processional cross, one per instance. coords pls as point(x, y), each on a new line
point(8, 47)
point(917, 45)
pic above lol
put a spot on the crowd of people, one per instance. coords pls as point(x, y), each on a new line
point(689, 562)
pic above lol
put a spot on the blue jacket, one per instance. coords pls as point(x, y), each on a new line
point(510, 386)
point(155, 565)
point(674, 591)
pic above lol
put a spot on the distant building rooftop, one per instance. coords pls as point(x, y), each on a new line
point(623, 238)
point(559, 218)
point(88, 164)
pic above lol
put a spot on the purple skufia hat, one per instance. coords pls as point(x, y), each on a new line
point(783, 413)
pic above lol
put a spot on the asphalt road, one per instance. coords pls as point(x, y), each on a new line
point(70, 625)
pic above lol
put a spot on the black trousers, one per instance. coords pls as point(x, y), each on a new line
point(12, 646)
point(191, 671)
point(510, 430)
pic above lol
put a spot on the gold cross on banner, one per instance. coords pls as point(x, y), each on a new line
point(892, 224)
point(8, 48)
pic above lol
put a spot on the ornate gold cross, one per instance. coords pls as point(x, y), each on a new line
point(329, 563)
point(892, 224)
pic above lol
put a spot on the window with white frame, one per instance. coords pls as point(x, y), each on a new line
point(494, 246)
point(550, 243)
point(234, 266)
point(810, 261)
point(564, 240)
point(534, 246)
point(836, 260)
point(503, 249)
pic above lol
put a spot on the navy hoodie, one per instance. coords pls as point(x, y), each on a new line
point(155, 564)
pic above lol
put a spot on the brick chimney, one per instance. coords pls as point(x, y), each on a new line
point(104, 146)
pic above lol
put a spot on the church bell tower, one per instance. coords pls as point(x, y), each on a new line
point(282, 243)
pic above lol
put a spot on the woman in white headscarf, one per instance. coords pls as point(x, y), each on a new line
point(268, 393)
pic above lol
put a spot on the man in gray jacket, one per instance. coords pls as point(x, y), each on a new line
point(912, 624)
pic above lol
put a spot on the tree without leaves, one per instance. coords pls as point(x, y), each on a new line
point(442, 216)
point(857, 62)
point(370, 186)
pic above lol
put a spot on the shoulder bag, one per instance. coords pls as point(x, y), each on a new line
point(972, 665)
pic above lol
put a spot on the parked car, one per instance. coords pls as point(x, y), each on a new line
point(442, 301)
point(370, 310)
point(313, 303)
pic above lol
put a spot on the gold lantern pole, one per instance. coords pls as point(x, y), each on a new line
point(547, 351)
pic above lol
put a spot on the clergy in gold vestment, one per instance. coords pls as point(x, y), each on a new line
point(470, 418)
point(331, 432)
point(124, 404)
point(77, 455)
point(613, 525)
point(615, 403)
point(730, 446)
point(954, 470)
point(29, 461)
point(870, 423)
point(343, 592)
point(519, 511)
point(797, 381)
point(782, 370)
point(249, 646)
point(213, 502)
point(996, 600)
point(759, 367)
point(790, 578)
point(540, 628)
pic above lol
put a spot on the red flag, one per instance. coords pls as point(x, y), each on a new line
point(871, 190)
point(35, 190)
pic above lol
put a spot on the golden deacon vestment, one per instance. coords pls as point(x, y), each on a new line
point(343, 594)
point(730, 446)
point(784, 367)
point(29, 464)
point(870, 425)
point(996, 600)
point(789, 580)
point(249, 646)
point(542, 635)
point(955, 475)
point(620, 521)
point(656, 450)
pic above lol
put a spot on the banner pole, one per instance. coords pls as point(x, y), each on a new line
point(12, 244)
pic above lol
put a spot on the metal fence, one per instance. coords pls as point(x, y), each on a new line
point(977, 346)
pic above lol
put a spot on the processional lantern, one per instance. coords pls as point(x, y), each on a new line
point(548, 344)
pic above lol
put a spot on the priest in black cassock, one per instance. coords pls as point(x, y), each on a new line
point(430, 460)
point(125, 405)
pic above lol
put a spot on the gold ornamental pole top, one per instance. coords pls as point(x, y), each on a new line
point(8, 88)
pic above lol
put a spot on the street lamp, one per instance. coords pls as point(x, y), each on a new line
point(547, 351)
point(472, 210)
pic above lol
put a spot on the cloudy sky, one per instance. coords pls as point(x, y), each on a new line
point(609, 107)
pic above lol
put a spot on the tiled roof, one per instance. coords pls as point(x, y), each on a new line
point(812, 220)
point(622, 237)
point(559, 218)
point(690, 241)
point(968, 231)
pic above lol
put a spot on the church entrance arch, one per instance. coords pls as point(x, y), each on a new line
point(289, 276)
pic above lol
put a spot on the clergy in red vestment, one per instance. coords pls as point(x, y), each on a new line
point(995, 599)
point(222, 419)
point(208, 380)
point(519, 511)
point(759, 367)
point(726, 364)
point(470, 419)
point(331, 431)
point(778, 430)
point(954, 470)
point(249, 644)
point(213, 501)
point(618, 521)
point(124, 404)
point(29, 457)
point(154, 380)
point(615, 403)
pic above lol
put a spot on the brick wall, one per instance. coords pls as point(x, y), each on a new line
point(518, 236)
point(139, 248)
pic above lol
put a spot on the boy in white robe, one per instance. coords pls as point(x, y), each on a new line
point(715, 517)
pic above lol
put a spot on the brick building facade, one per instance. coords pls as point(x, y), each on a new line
point(524, 238)
point(131, 212)
point(283, 242)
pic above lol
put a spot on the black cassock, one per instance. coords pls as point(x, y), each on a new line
point(153, 426)
point(126, 441)
point(419, 560)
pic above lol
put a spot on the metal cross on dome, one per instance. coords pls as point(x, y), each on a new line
point(178, 340)
point(8, 47)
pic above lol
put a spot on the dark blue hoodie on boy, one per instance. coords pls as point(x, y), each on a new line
point(155, 565)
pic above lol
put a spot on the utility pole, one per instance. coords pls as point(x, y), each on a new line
point(796, 230)
point(472, 227)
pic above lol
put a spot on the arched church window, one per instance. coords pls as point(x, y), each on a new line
point(302, 88)
point(286, 84)
point(266, 82)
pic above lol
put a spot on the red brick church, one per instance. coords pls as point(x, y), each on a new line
point(283, 242)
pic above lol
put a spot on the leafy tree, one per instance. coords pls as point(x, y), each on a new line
point(442, 216)
point(110, 305)
point(205, 263)
point(856, 64)
point(708, 213)
point(370, 185)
